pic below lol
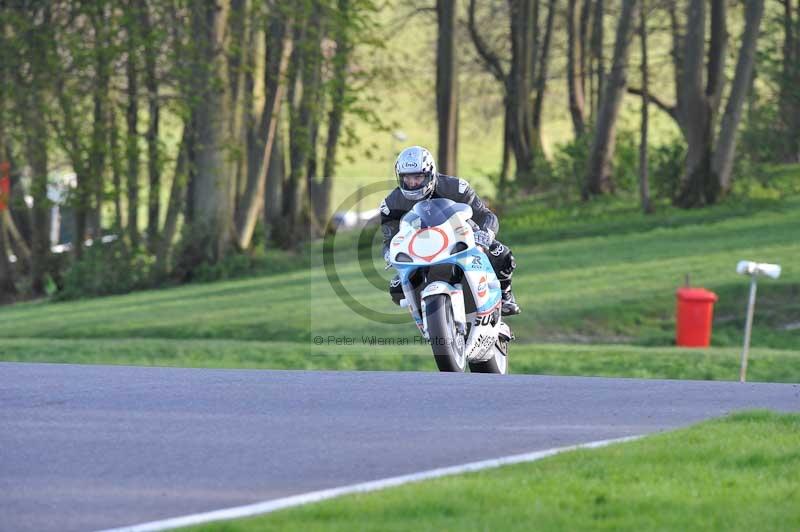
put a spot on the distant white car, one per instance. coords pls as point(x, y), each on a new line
point(354, 219)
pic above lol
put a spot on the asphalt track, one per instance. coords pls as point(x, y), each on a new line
point(93, 447)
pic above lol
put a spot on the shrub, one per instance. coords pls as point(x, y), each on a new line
point(569, 165)
point(105, 269)
point(666, 164)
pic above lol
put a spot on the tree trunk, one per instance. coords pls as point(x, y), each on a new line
point(699, 187)
point(238, 46)
point(132, 121)
point(678, 44)
point(583, 39)
point(722, 161)
point(36, 150)
point(598, 41)
point(541, 74)
point(278, 50)
point(789, 96)
point(522, 136)
point(99, 142)
point(311, 105)
point(341, 62)
point(506, 162)
point(447, 87)
point(598, 177)
point(152, 133)
point(301, 95)
point(116, 171)
point(247, 132)
point(71, 141)
point(212, 199)
point(273, 190)
point(715, 80)
point(177, 198)
point(575, 73)
point(793, 136)
point(644, 180)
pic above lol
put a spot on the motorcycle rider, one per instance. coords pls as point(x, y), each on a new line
point(417, 180)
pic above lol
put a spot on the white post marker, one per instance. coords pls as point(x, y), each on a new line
point(753, 269)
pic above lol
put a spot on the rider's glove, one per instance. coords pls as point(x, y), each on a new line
point(484, 238)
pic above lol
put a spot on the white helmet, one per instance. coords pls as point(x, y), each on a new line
point(416, 161)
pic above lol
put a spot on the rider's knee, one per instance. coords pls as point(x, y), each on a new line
point(502, 260)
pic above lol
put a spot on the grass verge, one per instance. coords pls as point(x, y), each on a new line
point(765, 365)
point(734, 473)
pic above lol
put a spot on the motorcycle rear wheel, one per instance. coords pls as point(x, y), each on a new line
point(448, 345)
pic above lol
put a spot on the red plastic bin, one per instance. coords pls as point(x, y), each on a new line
point(694, 316)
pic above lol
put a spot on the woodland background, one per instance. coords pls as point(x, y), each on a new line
point(190, 140)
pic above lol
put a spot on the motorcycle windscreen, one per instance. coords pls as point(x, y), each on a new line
point(435, 212)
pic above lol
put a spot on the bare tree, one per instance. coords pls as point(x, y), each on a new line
point(598, 177)
point(708, 166)
point(706, 173)
point(518, 85)
point(722, 159)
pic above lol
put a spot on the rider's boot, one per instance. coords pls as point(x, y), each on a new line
point(509, 307)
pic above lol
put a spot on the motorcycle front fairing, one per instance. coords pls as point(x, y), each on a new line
point(437, 233)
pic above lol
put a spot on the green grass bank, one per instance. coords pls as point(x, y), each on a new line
point(600, 277)
point(734, 473)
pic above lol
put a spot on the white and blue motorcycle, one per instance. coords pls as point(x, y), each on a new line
point(450, 287)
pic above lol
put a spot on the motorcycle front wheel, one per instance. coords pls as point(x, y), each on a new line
point(447, 344)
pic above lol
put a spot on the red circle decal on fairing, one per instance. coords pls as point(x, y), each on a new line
point(431, 244)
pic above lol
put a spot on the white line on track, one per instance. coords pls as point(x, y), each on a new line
point(375, 485)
